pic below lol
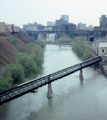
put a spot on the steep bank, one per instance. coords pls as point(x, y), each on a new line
point(9, 47)
point(18, 59)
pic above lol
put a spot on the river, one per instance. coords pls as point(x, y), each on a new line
point(72, 100)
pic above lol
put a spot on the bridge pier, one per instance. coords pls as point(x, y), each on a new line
point(81, 75)
point(49, 94)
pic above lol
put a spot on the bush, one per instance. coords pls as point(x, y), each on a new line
point(41, 43)
point(3, 84)
point(14, 42)
point(25, 33)
point(29, 66)
point(65, 40)
point(14, 72)
point(80, 49)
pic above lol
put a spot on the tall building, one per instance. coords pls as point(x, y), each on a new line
point(65, 18)
point(103, 20)
point(68, 27)
point(60, 22)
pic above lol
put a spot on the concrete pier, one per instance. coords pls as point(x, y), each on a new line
point(81, 75)
point(49, 94)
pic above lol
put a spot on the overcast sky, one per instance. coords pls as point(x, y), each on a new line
point(21, 12)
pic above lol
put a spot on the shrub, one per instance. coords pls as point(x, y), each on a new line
point(41, 43)
point(3, 84)
point(25, 33)
point(80, 49)
point(14, 42)
point(29, 66)
point(14, 72)
point(65, 40)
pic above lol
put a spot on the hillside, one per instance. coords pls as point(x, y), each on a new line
point(10, 45)
point(7, 51)
point(24, 37)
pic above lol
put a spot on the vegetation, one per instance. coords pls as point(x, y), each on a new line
point(41, 43)
point(25, 33)
point(17, 64)
point(14, 42)
point(80, 49)
point(64, 39)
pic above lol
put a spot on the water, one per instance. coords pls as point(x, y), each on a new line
point(71, 99)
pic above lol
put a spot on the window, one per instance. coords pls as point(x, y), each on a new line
point(102, 50)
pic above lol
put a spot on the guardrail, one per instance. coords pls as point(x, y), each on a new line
point(31, 85)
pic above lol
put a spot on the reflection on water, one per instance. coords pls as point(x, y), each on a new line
point(72, 98)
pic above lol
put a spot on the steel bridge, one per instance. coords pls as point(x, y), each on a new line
point(32, 85)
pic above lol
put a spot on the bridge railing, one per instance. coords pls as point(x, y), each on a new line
point(91, 61)
point(30, 86)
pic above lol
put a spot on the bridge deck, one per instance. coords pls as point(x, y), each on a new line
point(30, 86)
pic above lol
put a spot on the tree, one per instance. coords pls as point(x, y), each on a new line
point(15, 71)
point(3, 84)
point(28, 64)
point(41, 43)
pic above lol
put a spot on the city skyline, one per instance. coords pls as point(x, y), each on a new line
point(41, 11)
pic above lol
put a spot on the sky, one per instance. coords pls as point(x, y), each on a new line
point(21, 12)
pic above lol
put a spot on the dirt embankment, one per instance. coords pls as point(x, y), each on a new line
point(11, 44)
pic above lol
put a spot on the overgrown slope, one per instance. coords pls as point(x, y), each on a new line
point(9, 46)
point(7, 51)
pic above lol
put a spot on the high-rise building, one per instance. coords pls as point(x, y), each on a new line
point(65, 18)
point(103, 20)
point(60, 22)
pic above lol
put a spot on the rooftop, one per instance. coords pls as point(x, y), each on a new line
point(103, 44)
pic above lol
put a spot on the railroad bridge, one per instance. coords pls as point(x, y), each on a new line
point(33, 85)
point(76, 33)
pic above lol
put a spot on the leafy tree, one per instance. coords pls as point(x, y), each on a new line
point(25, 33)
point(9, 79)
point(14, 42)
point(3, 84)
point(41, 43)
point(65, 40)
point(29, 66)
point(15, 71)
point(80, 49)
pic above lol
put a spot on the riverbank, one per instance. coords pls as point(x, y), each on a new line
point(84, 51)
point(19, 58)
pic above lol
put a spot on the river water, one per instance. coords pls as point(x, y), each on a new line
point(72, 100)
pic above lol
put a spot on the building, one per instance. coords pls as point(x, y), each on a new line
point(33, 27)
point(100, 48)
point(68, 27)
point(71, 27)
point(8, 27)
point(65, 18)
point(49, 23)
point(48, 28)
point(103, 20)
point(2, 27)
point(81, 25)
point(60, 22)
